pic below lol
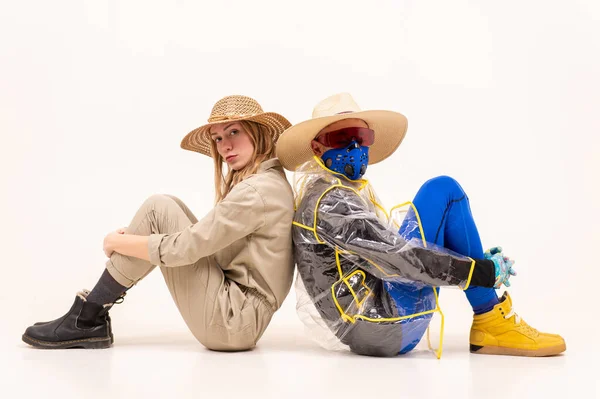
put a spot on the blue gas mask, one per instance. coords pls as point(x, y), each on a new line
point(350, 161)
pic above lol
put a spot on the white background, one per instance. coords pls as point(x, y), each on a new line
point(95, 98)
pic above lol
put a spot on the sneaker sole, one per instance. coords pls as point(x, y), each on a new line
point(87, 343)
point(499, 350)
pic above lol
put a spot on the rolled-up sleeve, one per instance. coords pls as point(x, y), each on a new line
point(238, 215)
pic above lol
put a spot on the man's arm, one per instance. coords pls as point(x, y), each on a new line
point(344, 220)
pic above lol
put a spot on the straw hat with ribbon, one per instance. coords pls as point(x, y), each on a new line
point(294, 145)
point(233, 109)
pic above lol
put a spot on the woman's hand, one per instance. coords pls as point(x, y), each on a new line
point(109, 241)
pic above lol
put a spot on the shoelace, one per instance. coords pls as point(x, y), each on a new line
point(518, 321)
point(511, 314)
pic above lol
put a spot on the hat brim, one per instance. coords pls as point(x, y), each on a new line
point(294, 145)
point(199, 139)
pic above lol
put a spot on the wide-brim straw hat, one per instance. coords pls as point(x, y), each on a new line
point(294, 145)
point(234, 109)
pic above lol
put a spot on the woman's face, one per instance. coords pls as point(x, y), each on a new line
point(233, 144)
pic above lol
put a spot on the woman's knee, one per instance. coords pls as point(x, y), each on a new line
point(159, 202)
point(174, 199)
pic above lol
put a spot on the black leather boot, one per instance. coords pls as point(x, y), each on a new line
point(85, 294)
point(86, 325)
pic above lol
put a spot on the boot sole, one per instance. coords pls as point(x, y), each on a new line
point(87, 343)
point(498, 350)
point(41, 323)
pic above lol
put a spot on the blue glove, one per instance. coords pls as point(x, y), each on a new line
point(503, 266)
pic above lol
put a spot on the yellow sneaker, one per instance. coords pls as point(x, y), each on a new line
point(502, 332)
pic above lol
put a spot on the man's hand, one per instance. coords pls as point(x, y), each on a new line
point(503, 264)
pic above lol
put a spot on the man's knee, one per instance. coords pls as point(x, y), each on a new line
point(444, 184)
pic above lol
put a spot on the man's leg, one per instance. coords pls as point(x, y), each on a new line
point(447, 221)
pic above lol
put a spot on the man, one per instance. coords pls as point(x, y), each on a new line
point(372, 285)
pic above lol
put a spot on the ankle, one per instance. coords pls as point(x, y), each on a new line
point(91, 315)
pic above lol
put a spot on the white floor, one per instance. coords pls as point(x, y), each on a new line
point(157, 357)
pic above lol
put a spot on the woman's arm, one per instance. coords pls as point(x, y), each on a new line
point(126, 244)
point(238, 215)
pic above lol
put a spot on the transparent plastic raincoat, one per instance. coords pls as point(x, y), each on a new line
point(362, 284)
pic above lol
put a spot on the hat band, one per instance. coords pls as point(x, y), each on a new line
point(228, 117)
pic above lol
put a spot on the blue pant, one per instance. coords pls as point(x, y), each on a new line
point(447, 221)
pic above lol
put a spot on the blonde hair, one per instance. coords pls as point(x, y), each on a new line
point(264, 148)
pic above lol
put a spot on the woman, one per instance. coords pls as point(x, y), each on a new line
point(228, 272)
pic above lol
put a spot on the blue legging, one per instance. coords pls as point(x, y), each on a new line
point(447, 221)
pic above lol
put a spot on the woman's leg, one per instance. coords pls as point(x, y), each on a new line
point(202, 293)
point(215, 309)
point(108, 289)
point(159, 214)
